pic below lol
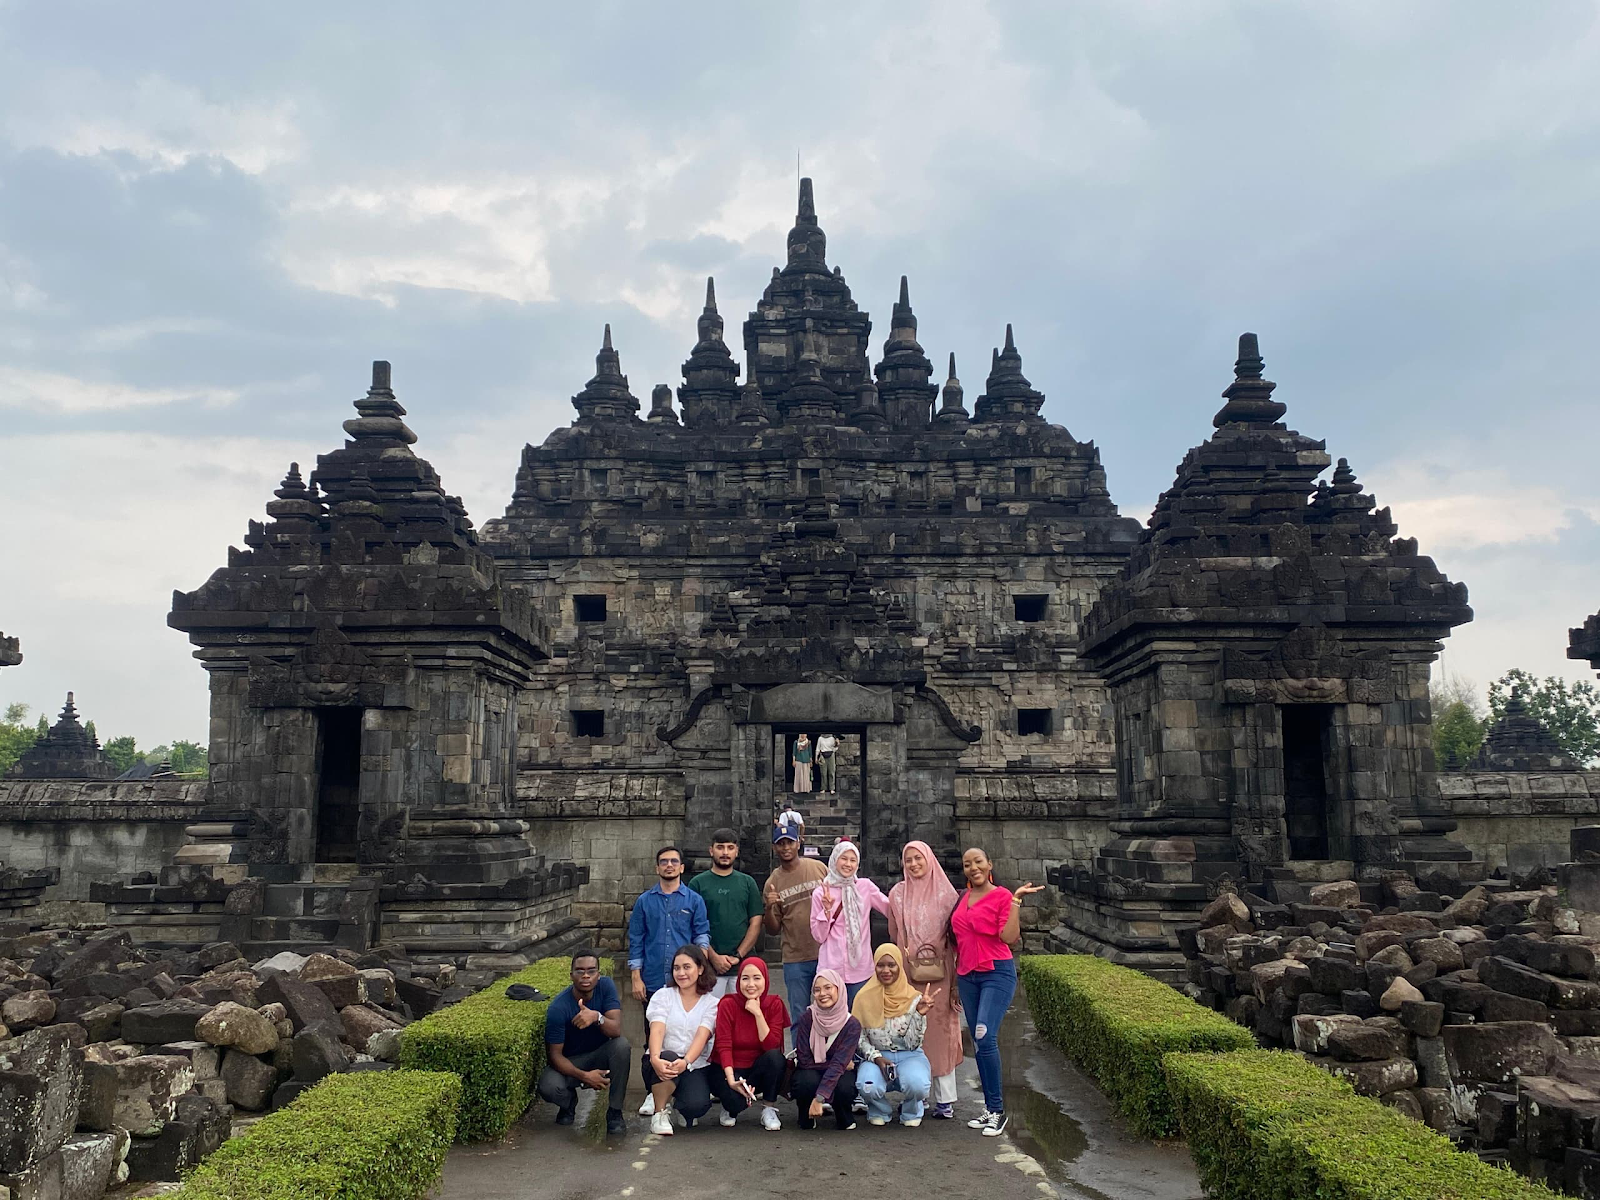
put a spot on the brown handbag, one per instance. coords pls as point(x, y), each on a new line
point(926, 965)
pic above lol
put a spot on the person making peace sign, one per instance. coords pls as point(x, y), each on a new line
point(893, 1016)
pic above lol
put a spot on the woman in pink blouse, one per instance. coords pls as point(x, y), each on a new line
point(986, 924)
point(841, 919)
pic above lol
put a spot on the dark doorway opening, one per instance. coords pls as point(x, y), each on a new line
point(1032, 721)
point(338, 783)
point(1306, 730)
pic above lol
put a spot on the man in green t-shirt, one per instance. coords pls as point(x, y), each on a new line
point(733, 906)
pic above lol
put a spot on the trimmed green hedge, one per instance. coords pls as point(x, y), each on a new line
point(1267, 1125)
point(1116, 1024)
point(369, 1135)
point(495, 1045)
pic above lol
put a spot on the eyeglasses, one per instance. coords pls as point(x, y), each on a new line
point(669, 862)
point(586, 970)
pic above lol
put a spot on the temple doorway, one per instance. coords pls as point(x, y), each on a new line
point(1306, 729)
point(338, 784)
point(828, 817)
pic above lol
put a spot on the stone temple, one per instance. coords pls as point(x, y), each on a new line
point(464, 739)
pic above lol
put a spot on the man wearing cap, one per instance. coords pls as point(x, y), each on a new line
point(788, 911)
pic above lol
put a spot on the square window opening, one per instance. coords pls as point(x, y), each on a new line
point(1032, 721)
point(597, 478)
point(1030, 608)
point(807, 474)
point(589, 609)
point(1023, 483)
point(588, 722)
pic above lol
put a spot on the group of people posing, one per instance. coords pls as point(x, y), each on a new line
point(864, 1026)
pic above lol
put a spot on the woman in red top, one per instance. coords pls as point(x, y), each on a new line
point(748, 1045)
point(986, 925)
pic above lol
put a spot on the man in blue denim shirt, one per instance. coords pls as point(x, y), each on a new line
point(669, 915)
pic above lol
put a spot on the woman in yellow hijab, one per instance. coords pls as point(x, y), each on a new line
point(893, 1016)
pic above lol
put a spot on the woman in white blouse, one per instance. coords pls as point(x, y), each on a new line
point(682, 1019)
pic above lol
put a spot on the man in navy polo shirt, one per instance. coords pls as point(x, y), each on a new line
point(584, 1045)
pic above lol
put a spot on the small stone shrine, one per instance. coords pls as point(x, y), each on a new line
point(67, 751)
point(1584, 642)
point(1267, 648)
point(1518, 742)
point(10, 651)
point(365, 665)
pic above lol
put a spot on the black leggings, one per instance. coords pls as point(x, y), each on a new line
point(691, 1091)
point(764, 1075)
point(803, 1087)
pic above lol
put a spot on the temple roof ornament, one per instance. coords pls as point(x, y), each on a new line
point(606, 396)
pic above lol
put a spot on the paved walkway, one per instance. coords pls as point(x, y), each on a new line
point(1063, 1142)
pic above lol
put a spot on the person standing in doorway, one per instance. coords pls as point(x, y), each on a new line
point(986, 924)
point(787, 897)
point(800, 760)
point(733, 909)
point(827, 753)
point(794, 819)
point(920, 907)
point(664, 918)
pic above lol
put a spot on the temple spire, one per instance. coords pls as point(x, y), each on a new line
point(709, 393)
point(1007, 395)
point(606, 396)
point(1249, 396)
point(952, 412)
point(808, 245)
point(380, 414)
point(711, 294)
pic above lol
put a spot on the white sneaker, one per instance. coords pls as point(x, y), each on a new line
point(858, 1105)
point(649, 1105)
point(911, 1122)
point(769, 1119)
point(980, 1122)
point(727, 1120)
point(661, 1124)
point(877, 1121)
point(996, 1125)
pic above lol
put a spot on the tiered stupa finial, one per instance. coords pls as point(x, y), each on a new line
point(905, 375)
point(380, 413)
point(1249, 396)
point(808, 245)
point(952, 412)
point(1007, 394)
point(708, 395)
point(606, 396)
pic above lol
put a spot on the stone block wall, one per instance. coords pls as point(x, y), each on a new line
point(614, 826)
point(1517, 821)
point(93, 831)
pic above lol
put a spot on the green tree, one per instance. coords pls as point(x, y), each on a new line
point(1570, 711)
point(190, 759)
point(1458, 720)
point(15, 736)
point(88, 728)
point(122, 754)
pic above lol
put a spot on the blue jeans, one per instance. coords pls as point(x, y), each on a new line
point(797, 980)
point(913, 1078)
point(985, 997)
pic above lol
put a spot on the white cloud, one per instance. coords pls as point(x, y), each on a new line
point(49, 391)
point(157, 121)
point(1466, 506)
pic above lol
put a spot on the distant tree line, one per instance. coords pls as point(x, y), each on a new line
point(188, 759)
point(1461, 718)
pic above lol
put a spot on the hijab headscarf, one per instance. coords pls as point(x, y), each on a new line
point(827, 1023)
point(740, 1023)
point(875, 1003)
point(924, 905)
point(850, 897)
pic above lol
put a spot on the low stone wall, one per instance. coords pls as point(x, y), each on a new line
point(93, 831)
point(615, 827)
point(1518, 821)
point(1028, 823)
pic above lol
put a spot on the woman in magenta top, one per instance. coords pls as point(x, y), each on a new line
point(986, 925)
point(841, 919)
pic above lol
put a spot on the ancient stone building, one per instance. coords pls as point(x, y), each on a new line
point(1267, 648)
point(67, 751)
point(365, 666)
point(10, 651)
point(832, 546)
point(1584, 642)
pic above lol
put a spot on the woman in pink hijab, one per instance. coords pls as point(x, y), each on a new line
point(919, 923)
point(841, 919)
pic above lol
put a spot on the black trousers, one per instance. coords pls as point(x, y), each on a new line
point(691, 1091)
point(562, 1090)
point(765, 1074)
point(803, 1087)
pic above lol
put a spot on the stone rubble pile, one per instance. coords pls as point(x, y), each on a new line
point(1477, 1014)
point(119, 1062)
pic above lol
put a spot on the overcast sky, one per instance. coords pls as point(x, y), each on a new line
point(211, 221)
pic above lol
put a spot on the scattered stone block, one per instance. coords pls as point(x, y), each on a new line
point(148, 1088)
